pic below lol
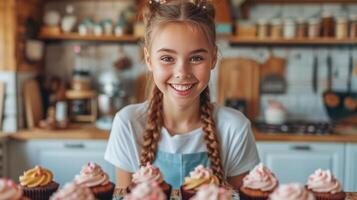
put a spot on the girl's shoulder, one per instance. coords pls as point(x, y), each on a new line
point(133, 112)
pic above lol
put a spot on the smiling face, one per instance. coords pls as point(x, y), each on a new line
point(181, 60)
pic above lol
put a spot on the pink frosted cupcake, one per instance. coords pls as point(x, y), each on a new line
point(198, 177)
point(146, 191)
point(258, 184)
point(325, 186)
point(292, 191)
point(10, 191)
point(93, 177)
point(150, 173)
point(212, 192)
point(73, 191)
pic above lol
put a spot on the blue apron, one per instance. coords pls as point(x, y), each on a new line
point(175, 167)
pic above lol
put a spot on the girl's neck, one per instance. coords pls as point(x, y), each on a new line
point(180, 120)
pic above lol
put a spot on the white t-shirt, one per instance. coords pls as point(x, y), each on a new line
point(238, 150)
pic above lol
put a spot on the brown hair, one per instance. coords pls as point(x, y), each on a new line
point(200, 14)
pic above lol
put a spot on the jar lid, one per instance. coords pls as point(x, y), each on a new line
point(313, 21)
point(326, 14)
point(262, 21)
point(276, 21)
point(300, 20)
point(341, 19)
point(353, 17)
point(289, 22)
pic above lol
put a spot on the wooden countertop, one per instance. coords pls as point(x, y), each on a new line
point(92, 133)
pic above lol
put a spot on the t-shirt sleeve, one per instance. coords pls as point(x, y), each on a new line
point(243, 154)
point(121, 149)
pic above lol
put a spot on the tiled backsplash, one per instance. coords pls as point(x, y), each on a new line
point(300, 100)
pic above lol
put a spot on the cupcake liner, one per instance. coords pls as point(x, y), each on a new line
point(327, 196)
point(187, 194)
point(104, 192)
point(247, 197)
point(41, 193)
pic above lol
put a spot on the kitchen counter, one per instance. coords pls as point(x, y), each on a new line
point(92, 133)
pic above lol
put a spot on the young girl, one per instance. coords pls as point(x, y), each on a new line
point(179, 129)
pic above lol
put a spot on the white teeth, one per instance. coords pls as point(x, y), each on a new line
point(181, 87)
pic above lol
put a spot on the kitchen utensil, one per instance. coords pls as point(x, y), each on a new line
point(272, 76)
point(331, 99)
point(238, 78)
point(350, 103)
point(315, 74)
point(33, 103)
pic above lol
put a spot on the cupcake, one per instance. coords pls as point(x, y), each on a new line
point(199, 177)
point(150, 173)
point(146, 191)
point(92, 176)
point(292, 191)
point(212, 192)
point(258, 184)
point(38, 184)
point(10, 191)
point(73, 191)
point(325, 186)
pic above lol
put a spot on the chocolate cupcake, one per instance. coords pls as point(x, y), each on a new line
point(211, 191)
point(199, 177)
point(291, 191)
point(93, 177)
point(10, 191)
point(146, 191)
point(38, 184)
point(73, 191)
point(258, 184)
point(150, 173)
point(325, 186)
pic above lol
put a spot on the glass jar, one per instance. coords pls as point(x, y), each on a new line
point(262, 29)
point(313, 30)
point(301, 31)
point(341, 28)
point(327, 25)
point(289, 31)
point(353, 26)
point(276, 30)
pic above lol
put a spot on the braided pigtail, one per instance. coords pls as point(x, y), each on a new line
point(209, 128)
point(153, 127)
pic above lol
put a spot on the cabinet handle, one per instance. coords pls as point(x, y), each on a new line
point(301, 148)
point(74, 146)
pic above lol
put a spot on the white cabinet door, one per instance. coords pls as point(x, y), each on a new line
point(351, 167)
point(294, 162)
point(63, 157)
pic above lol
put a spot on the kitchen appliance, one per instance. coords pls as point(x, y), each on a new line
point(296, 127)
point(111, 96)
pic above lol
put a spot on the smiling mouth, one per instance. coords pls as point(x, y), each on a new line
point(182, 87)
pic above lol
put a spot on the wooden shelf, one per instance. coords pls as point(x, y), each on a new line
point(234, 40)
point(77, 37)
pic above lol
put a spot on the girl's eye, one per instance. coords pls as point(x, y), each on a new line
point(167, 59)
point(196, 59)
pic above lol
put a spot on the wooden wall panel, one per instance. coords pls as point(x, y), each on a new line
point(7, 35)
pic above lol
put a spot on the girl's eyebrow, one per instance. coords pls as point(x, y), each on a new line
point(192, 52)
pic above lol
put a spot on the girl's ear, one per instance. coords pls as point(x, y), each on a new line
point(214, 58)
point(147, 58)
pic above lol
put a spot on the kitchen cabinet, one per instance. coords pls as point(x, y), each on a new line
point(350, 167)
point(295, 161)
point(64, 158)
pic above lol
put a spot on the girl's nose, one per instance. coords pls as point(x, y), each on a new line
point(182, 70)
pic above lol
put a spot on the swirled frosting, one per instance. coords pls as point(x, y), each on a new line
point(146, 191)
point(91, 175)
point(9, 190)
point(323, 181)
point(73, 191)
point(212, 192)
point(200, 176)
point(260, 178)
point(36, 177)
point(292, 191)
point(148, 173)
